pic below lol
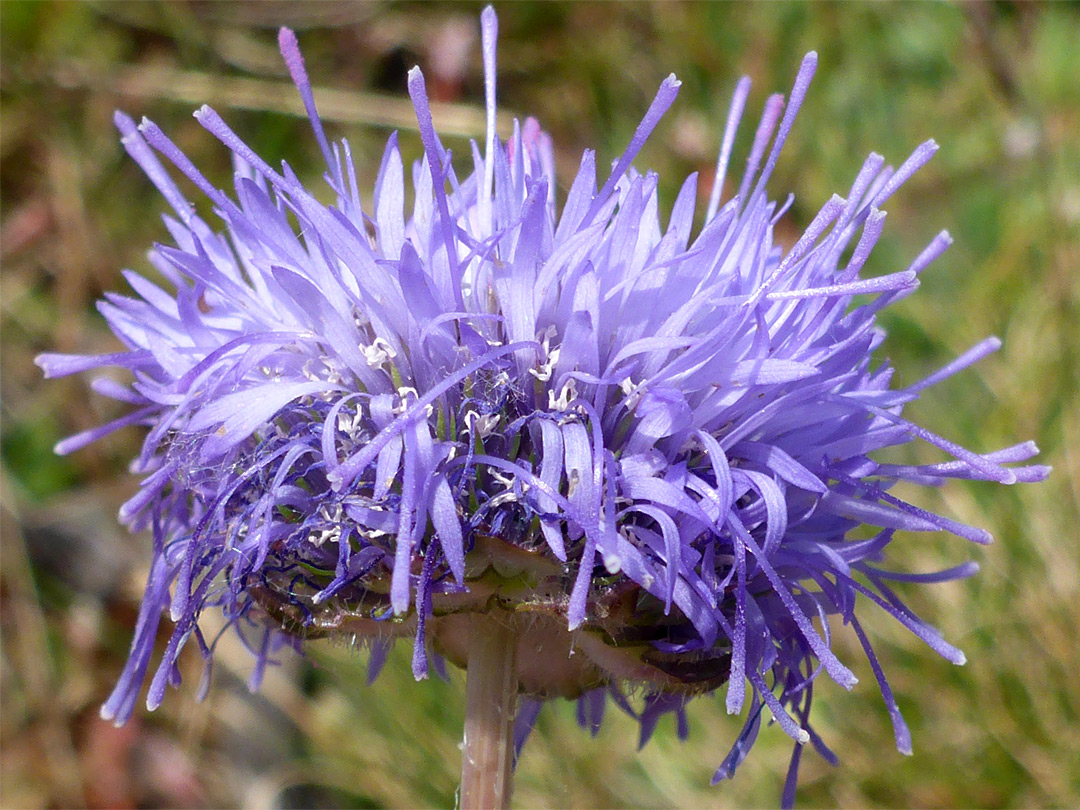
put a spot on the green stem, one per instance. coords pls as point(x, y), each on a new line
point(490, 705)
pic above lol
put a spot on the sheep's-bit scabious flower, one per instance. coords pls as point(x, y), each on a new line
point(654, 455)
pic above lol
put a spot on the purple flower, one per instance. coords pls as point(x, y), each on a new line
point(648, 447)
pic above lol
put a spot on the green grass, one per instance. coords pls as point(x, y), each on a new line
point(995, 85)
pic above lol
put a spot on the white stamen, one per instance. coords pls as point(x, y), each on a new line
point(566, 395)
point(481, 426)
point(574, 480)
point(350, 424)
point(546, 369)
point(378, 352)
point(612, 563)
point(404, 393)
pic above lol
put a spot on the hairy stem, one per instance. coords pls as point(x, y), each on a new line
point(490, 704)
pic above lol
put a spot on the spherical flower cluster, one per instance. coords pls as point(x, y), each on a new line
point(648, 449)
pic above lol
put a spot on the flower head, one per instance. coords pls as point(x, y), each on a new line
point(649, 447)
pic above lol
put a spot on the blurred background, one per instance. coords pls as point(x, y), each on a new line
point(994, 83)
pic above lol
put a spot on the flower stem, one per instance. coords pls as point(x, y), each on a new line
point(490, 704)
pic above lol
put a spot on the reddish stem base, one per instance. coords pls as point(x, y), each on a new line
point(490, 705)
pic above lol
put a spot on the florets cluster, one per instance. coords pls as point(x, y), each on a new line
point(654, 445)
